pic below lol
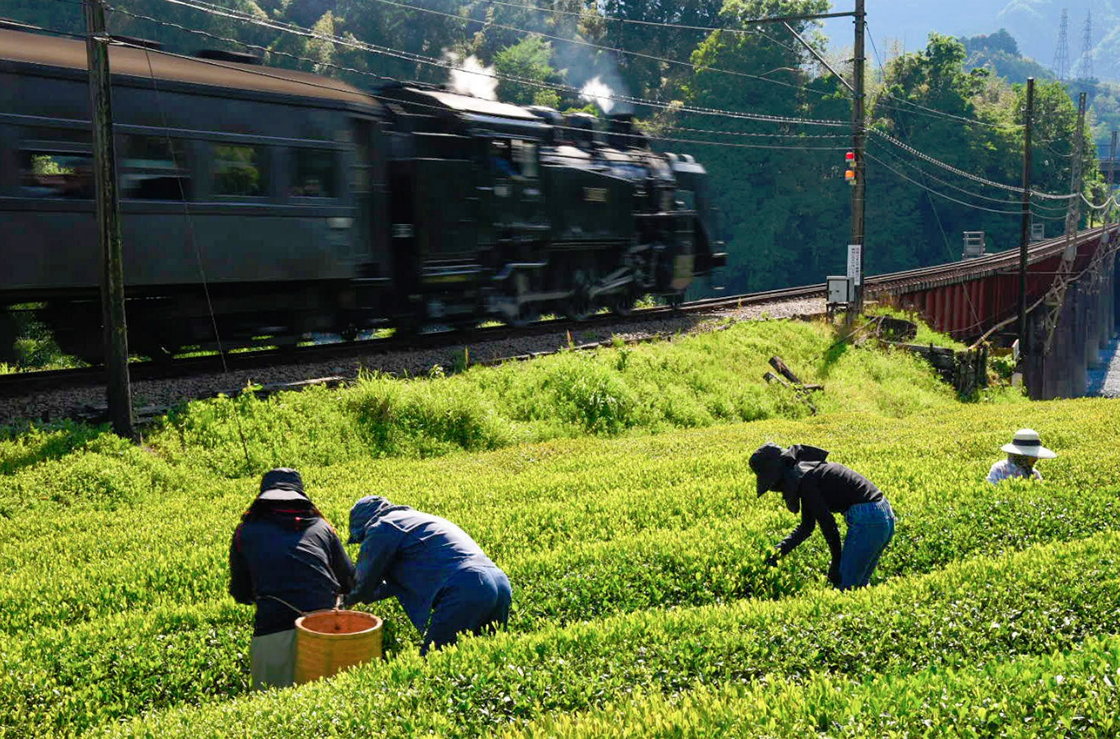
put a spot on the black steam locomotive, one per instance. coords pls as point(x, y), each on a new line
point(278, 203)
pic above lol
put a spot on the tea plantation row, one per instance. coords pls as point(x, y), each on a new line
point(116, 612)
point(969, 616)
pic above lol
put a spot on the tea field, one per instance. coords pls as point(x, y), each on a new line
point(633, 539)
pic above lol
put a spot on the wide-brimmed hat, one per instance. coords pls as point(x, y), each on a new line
point(1028, 444)
point(279, 483)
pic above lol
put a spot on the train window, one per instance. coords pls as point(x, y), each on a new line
point(154, 168)
point(237, 170)
point(55, 174)
point(313, 173)
point(525, 155)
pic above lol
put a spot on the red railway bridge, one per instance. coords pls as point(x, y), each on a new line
point(1072, 301)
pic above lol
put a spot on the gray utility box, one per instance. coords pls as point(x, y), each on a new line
point(1038, 232)
point(840, 290)
point(973, 244)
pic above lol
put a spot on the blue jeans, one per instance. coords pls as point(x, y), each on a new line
point(472, 600)
point(870, 528)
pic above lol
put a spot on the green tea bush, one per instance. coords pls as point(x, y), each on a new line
point(1063, 694)
point(983, 611)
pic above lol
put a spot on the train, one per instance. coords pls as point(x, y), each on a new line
point(266, 204)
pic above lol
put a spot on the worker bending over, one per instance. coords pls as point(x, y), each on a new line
point(818, 489)
point(442, 579)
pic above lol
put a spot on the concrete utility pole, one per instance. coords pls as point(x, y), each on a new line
point(1025, 232)
point(1111, 161)
point(118, 391)
point(1073, 213)
point(858, 146)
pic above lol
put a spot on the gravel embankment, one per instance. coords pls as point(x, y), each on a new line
point(163, 393)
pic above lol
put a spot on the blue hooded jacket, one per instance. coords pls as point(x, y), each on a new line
point(408, 554)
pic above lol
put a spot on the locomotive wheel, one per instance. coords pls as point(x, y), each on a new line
point(579, 305)
point(527, 314)
point(621, 304)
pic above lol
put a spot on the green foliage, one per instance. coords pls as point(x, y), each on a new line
point(691, 382)
point(1030, 603)
point(529, 59)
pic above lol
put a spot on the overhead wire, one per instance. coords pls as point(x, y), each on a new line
point(385, 98)
point(658, 24)
point(598, 47)
point(940, 194)
point(201, 6)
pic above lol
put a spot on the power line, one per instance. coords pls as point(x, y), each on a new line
point(940, 194)
point(421, 59)
point(671, 26)
point(388, 99)
point(900, 160)
point(598, 47)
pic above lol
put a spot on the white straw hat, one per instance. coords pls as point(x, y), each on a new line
point(1028, 444)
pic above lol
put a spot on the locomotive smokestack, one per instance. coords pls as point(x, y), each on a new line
point(622, 133)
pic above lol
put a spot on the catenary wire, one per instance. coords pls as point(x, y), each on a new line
point(421, 59)
point(599, 47)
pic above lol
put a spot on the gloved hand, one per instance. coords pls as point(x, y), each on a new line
point(834, 575)
point(772, 560)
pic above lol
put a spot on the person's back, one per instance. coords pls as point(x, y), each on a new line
point(292, 568)
point(285, 559)
point(442, 578)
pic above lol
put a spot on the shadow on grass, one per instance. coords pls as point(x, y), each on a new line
point(25, 446)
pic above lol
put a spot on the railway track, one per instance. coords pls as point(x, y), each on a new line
point(25, 383)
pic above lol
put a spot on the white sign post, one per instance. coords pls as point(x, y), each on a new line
point(854, 259)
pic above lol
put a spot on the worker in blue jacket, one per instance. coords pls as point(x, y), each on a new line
point(285, 559)
point(819, 488)
point(443, 580)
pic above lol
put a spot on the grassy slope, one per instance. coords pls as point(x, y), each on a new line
point(133, 542)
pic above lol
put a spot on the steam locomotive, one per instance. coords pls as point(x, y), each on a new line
point(264, 202)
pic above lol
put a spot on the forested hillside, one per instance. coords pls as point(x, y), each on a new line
point(753, 105)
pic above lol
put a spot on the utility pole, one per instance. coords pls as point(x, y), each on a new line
point(1025, 232)
point(1073, 213)
point(114, 331)
point(858, 146)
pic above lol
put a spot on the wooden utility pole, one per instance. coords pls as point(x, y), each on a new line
point(858, 146)
point(1025, 232)
point(114, 330)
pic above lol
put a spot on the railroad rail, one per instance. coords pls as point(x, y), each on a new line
point(23, 383)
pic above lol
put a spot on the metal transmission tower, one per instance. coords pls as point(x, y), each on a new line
point(1084, 70)
point(1061, 55)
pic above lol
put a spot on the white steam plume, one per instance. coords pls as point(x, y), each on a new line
point(598, 92)
point(472, 78)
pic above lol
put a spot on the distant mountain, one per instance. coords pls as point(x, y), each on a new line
point(1033, 24)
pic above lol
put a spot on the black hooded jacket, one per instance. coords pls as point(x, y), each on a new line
point(818, 489)
point(284, 549)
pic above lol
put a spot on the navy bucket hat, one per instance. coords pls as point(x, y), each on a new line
point(766, 465)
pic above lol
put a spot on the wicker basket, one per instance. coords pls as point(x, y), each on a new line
point(328, 642)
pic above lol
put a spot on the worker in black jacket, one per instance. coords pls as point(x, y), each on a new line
point(818, 489)
point(286, 559)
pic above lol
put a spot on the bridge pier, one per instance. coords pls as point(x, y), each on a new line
point(1086, 324)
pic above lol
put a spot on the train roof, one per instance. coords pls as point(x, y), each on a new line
point(52, 51)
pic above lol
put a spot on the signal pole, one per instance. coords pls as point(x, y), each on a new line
point(114, 330)
point(858, 145)
point(1025, 232)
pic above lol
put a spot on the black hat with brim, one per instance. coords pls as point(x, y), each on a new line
point(282, 495)
point(766, 464)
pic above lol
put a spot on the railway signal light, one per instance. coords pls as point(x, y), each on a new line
point(850, 172)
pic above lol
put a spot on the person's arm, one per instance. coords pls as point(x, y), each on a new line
point(378, 547)
point(240, 580)
point(995, 474)
point(341, 565)
point(812, 503)
point(799, 534)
